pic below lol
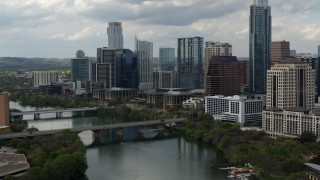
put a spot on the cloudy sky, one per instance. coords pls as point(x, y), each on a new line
point(58, 28)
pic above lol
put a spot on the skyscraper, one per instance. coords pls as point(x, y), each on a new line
point(166, 58)
point(280, 50)
point(117, 67)
point(115, 37)
point(259, 44)
point(190, 62)
point(291, 84)
point(214, 49)
point(226, 75)
point(290, 100)
point(81, 68)
point(144, 51)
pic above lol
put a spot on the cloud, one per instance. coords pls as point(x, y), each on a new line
point(84, 33)
point(81, 24)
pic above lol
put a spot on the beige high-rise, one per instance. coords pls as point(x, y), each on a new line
point(291, 84)
point(4, 109)
point(280, 51)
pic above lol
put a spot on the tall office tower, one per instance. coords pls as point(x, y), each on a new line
point(280, 50)
point(291, 84)
point(127, 69)
point(290, 101)
point(214, 49)
point(81, 69)
point(4, 109)
point(190, 63)
point(226, 75)
point(144, 51)
point(44, 78)
point(117, 68)
point(313, 61)
point(166, 58)
point(115, 37)
point(80, 54)
point(293, 53)
point(164, 79)
point(259, 44)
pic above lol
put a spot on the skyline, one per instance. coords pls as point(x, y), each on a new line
point(57, 29)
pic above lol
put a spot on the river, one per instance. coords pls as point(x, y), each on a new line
point(172, 158)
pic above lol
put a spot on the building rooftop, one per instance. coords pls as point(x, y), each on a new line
point(291, 61)
point(274, 109)
point(313, 166)
point(298, 109)
point(12, 163)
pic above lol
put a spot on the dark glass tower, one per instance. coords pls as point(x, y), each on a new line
point(190, 62)
point(259, 45)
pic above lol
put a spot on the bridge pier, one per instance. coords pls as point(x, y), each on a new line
point(36, 116)
point(97, 134)
point(59, 115)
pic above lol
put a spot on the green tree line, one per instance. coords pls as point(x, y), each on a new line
point(274, 158)
point(48, 101)
point(61, 156)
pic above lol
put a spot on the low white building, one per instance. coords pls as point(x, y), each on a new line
point(193, 103)
point(246, 111)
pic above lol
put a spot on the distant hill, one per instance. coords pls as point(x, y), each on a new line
point(21, 63)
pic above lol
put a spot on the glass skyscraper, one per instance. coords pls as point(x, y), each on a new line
point(190, 63)
point(144, 51)
point(166, 58)
point(259, 45)
point(115, 37)
point(81, 68)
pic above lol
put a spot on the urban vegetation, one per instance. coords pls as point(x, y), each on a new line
point(48, 101)
point(61, 156)
point(130, 115)
point(274, 158)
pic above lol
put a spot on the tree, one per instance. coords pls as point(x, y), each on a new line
point(306, 137)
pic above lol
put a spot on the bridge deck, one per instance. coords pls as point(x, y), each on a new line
point(92, 128)
point(52, 111)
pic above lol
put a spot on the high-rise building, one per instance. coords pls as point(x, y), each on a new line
point(117, 67)
point(144, 51)
point(4, 109)
point(259, 44)
point(290, 101)
point(190, 63)
point(81, 69)
point(226, 75)
point(115, 37)
point(214, 49)
point(166, 58)
point(291, 84)
point(293, 53)
point(164, 79)
point(44, 78)
point(313, 61)
point(280, 51)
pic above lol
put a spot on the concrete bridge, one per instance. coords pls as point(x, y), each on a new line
point(95, 129)
point(59, 112)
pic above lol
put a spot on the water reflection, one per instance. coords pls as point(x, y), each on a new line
point(169, 159)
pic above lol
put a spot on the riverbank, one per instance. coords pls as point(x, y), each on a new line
point(61, 156)
point(274, 159)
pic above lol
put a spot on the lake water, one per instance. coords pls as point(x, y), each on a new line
point(172, 158)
